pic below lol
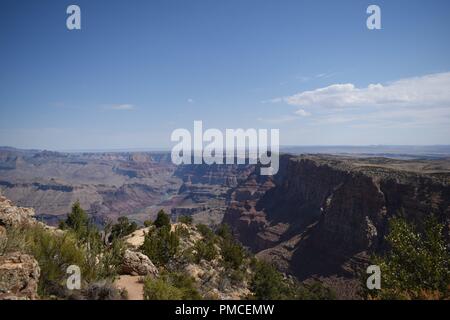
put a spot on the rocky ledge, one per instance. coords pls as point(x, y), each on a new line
point(19, 272)
point(19, 276)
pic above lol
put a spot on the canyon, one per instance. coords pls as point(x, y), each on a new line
point(109, 185)
point(320, 217)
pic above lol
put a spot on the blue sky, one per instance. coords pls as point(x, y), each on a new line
point(140, 69)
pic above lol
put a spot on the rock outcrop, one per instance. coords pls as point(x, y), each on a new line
point(138, 264)
point(10, 215)
point(19, 276)
point(19, 272)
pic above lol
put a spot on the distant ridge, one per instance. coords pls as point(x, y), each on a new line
point(389, 151)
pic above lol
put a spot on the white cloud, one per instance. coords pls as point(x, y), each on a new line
point(302, 113)
point(120, 107)
point(418, 101)
point(429, 90)
point(190, 100)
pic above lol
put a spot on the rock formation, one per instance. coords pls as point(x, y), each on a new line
point(10, 215)
point(19, 272)
point(324, 215)
point(137, 264)
point(19, 276)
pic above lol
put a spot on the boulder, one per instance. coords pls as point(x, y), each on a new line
point(19, 276)
point(11, 215)
point(138, 264)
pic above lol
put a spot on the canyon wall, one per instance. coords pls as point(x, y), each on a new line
point(323, 216)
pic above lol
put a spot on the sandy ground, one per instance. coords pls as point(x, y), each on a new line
point(136, 239)
point(131, 284)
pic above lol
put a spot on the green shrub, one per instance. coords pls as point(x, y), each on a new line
point(104, 260)
point(233, 254)
point(417, 265)
point(224, 231)
point(80, 244)
point(162, 220)
point(171, 286)
point(122, 228)
point(160, 245)
point(204, 250)
point(186, 284)
point(161, 289)
point(54, 253)
point(314, 291)
point(205, 231)
point(185, 219)
point(148, 223)
point(267, 283)
point(77, 220)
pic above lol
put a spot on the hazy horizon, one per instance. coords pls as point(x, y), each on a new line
point(416, 150)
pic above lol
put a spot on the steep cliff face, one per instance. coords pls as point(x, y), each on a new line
point(222, 175)
point(323, 215)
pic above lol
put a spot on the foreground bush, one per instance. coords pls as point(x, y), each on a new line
point(233, 254)
point(101, 258)
point(204, 250)
point(54, 253)
point(267, 283)
point(79, 244)
point(417, 265)
point(171, 286)
point(160, 245)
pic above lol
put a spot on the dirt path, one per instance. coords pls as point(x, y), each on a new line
point(132, 285)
